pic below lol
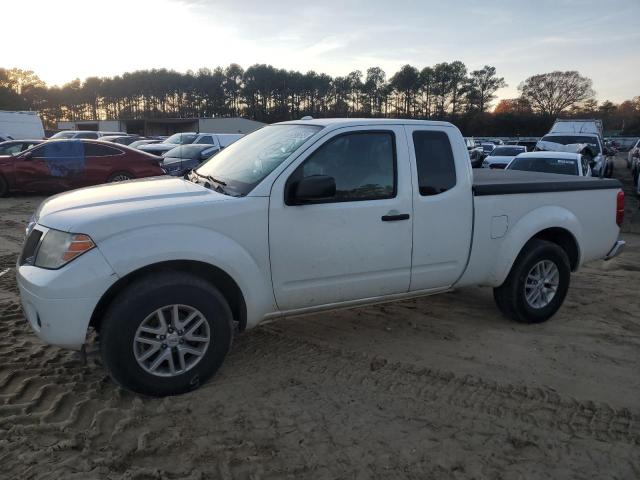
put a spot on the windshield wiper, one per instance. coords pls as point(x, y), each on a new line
point(219, 187)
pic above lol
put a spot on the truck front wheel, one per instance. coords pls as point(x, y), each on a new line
point(166, 334)
point(537, 283)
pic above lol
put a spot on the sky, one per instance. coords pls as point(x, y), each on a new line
point(65, 39)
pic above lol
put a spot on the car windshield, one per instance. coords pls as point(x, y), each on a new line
point(487, 147)
point(244, 163)
point(571, 139)
point(181, 138)
point(565, 166)
point(188, 151)
point(63, 135)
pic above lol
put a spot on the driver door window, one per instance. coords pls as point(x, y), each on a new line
point(363, 166)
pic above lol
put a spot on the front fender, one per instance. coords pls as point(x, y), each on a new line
point(526, 228)
point(132, 250)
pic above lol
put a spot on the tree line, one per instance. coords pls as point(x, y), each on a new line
point(445, 91)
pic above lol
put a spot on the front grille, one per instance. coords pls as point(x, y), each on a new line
point(499, 166)
point(30, 247)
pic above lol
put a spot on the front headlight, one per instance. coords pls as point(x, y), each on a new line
point(59, 248)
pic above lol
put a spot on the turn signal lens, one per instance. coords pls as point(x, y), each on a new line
point(79, 244)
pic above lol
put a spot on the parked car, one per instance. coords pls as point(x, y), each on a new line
point(552, 162)
point(147, 141)
point(86, 134)
point(59, 165)
point(487, 148)
point(20, 125)
point(184, 158)
point(632, 152)
point(13, 147)
point(218, 139)
point(300, 217)
point(580, 136)
point(635, 165)
point(529, 144)
point(502, 155)
point(127, 139)
point(476, 154)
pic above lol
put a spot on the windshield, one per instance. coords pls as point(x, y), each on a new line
point(244, 163)
point(63, 135)
point(571, 139)
point(189, 151)
point(181, 138)
point(487, 147)
point(564, 166)
point(506, 151)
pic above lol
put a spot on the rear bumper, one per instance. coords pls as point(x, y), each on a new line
point(617, 249)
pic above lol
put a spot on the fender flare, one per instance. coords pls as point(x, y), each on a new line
point(528, 227)
point(133, 250)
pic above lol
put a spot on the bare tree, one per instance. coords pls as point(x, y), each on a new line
point(551, 93)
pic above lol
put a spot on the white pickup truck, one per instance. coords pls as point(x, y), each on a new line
point(299, 217)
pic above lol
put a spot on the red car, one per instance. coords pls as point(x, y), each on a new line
point(59, 165)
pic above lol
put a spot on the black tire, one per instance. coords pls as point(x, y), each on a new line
point(510, 296)
point(120, 177)
point(4, 188)
point(137, 302)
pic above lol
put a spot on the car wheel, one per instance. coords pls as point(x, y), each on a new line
point(4, 188)
point(120, 177)
point(536, 285)
point(166, 334)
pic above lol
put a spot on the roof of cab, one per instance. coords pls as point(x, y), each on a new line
point(353, 122)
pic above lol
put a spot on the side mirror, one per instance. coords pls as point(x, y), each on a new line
point(315, 188)
point(27, 156)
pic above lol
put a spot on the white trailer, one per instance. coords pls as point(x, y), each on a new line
point(20, 125)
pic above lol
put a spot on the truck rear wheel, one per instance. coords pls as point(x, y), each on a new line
point(166, 334)
point(537, 283)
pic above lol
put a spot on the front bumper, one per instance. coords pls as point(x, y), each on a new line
point(59, 303)
point(617, 249)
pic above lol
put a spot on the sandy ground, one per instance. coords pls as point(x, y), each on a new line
point(440, 387)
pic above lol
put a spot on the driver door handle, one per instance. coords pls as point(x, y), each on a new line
point(395, 217)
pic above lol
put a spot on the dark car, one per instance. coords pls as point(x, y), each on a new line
point(529, 144)
point(13, 147)
point(59, 165)
point(146, 141)
point(120, 139)
point(180, 160)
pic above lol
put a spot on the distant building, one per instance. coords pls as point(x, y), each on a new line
point(166, 126)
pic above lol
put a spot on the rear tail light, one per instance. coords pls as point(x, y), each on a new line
point(620, 208)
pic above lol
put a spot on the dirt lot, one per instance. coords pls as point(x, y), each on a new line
point(440, 387)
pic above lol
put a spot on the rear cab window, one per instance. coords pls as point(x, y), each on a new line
point(434, 162)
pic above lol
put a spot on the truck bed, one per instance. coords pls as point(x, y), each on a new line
point(507, 182)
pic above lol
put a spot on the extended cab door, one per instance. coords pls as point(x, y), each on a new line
point(356, 244)
point(442, 206)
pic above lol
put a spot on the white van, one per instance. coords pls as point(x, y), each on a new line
point(20, 125)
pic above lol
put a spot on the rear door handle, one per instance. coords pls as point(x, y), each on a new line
point(393, 218)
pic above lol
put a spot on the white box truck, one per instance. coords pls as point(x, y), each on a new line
point(20, 125)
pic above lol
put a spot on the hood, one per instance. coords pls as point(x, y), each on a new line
point(157, 147)
point(113, 202)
